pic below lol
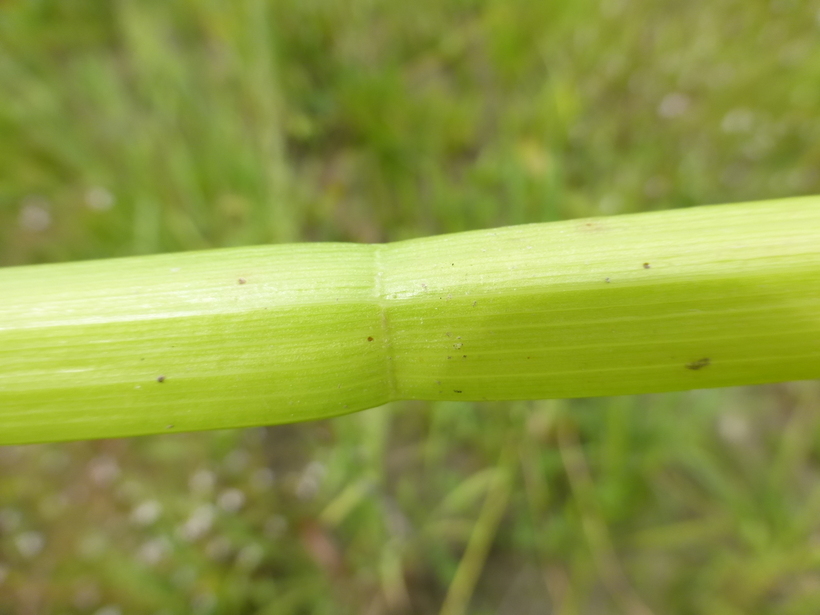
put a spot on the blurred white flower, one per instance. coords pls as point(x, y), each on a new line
point(310, 480)
point(231, 500)
point(30, 544)
point(152, 551)
point(734, 428)
point(146, 513)
point(198, 524)
point(99, 199)
point(103, 470)
point(737, 121)
point(34, 214)
point(202, 482)
point(674, 105)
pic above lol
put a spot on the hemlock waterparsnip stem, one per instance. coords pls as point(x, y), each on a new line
point(703, 297)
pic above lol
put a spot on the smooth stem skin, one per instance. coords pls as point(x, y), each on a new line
point(703, 297)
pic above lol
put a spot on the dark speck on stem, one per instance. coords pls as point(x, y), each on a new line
point(699, 364)
point(646, 265)
point(242, 281)
point(160, 379)
point(454, 391)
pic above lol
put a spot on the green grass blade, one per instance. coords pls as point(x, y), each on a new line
point(705, 297)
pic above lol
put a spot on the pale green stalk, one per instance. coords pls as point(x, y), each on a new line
point(705, 297)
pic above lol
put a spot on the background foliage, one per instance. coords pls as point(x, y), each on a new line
point(136, 127)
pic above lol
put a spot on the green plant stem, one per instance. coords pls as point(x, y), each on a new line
point(704, 297)
point(460, 592)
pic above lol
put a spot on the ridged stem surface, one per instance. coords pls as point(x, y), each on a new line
point(704, 297)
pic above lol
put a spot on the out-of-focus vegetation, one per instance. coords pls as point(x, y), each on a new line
point(135, 127)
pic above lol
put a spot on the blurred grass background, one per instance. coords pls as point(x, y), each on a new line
point(137, 127)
